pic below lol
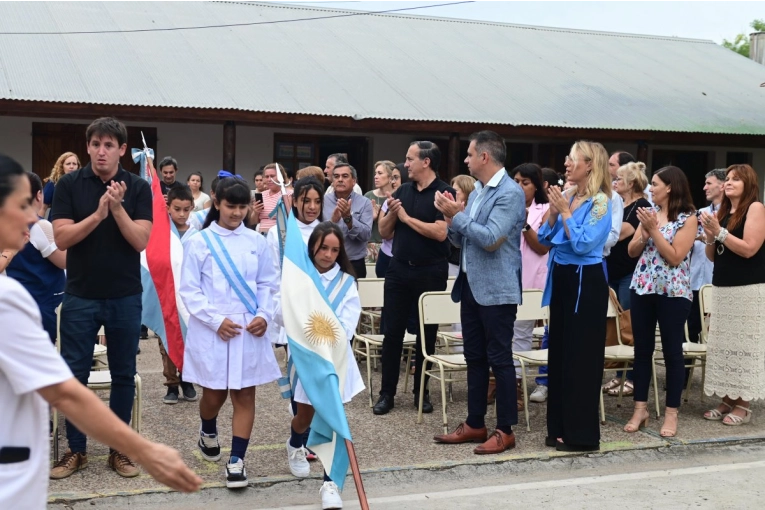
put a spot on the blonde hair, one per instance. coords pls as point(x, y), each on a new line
point(311, 171)
point(279, 168)
point(58, 169)
point(389, 166)
point(465, 183)
point(599, 180)
point(633, 173)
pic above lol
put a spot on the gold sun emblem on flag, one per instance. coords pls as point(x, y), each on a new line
point(320, 330)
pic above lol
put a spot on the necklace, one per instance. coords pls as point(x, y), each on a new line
point(631, 210)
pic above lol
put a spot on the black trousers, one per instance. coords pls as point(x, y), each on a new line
point(577, 345)
point(360, 268)
point(403, 286)
point(487, 333)
point(694, 319)
point(671, 313)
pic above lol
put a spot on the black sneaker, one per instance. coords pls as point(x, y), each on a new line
point(209, 446)
point(189, 393)
point(172, 395)
point(236, 474)
point(144, 333)
point(384, 404)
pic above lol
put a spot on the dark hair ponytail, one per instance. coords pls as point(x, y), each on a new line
point(234, 191)
point(35, 183)
point(321, 231)
point(10, 171)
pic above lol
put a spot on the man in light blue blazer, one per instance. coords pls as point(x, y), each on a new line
point(488, 229)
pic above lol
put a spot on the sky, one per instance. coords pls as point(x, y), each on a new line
point(697, 20)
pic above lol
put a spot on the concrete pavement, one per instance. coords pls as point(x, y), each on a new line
point(392, 445)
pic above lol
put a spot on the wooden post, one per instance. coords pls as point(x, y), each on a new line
point(357, 476)
point(642, 152)
point(453, 160)
point(229, 146)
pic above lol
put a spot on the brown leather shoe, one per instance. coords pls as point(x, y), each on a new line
point(122, 464)
point(463, 434)
point(68, 464)
point(498, 442)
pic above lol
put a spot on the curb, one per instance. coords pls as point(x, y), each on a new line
point(263, 482)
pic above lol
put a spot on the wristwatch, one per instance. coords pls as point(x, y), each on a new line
point(526, 228)
point(348, 220)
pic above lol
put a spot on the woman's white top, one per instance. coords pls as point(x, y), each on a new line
point(245, 360)
point(348, 312)
point(28, 362)
point(199, 203)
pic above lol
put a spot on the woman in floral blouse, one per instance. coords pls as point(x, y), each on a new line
point(661, 290)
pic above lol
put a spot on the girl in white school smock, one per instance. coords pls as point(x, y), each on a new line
point(326, 250)
point(227, 282)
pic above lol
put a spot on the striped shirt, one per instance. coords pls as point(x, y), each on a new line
point(269, 203)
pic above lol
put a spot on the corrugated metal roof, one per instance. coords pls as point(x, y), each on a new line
point(375, 66)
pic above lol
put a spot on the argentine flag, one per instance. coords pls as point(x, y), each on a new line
point(163, 310)
point(319, 352)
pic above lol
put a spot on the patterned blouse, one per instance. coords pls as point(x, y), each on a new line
point(654, 275)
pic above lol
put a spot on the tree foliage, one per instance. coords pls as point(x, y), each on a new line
point(741, 43)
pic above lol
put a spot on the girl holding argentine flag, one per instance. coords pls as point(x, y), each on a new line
point(227, 281)
point(326, 250)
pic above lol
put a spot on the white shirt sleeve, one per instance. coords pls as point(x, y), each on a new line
point(266, 280)
point(349, 311)
point(41, 237)
point(617, 215)
point(27, 357)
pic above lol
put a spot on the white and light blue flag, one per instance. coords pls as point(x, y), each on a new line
point(319, 351)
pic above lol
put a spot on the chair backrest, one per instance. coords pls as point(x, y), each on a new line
point(371, 292)
point(532, 309)
point(437, 308)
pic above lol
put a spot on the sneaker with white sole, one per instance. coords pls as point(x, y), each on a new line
point(539, 394)
point(330, 496)
point(236, 474)
point(209, 446)
point(297, 459)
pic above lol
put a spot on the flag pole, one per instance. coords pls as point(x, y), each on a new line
point(357, 476)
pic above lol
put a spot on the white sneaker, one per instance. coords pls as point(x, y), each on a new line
point(539, 394)
point(298, 463)
point(330, 496)
point(236, 475)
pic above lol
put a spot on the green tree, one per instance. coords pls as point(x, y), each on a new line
point(741, 43)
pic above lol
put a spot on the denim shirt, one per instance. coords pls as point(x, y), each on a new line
point(589, 226)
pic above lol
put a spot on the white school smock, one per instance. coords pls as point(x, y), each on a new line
point(348, 312)
point(28, 362)
point(276, 334)
point(245, 360)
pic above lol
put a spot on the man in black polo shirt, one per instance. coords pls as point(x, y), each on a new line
point(102, 217)
point(418, 265)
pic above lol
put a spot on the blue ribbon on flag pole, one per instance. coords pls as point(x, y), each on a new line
point(139, 155)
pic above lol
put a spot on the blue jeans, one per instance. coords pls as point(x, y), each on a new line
point(622, 288)
point(80, 321)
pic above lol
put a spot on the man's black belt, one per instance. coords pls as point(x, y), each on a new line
point(421, 262)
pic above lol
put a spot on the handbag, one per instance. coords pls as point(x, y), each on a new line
point(625, 323)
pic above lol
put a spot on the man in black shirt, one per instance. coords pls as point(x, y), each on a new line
point(418, 265)
point(168, 169)
point(102, 217)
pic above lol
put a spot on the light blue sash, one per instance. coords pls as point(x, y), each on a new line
point(230, 271)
